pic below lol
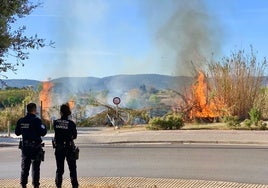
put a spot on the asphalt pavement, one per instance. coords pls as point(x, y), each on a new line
point(135, 135)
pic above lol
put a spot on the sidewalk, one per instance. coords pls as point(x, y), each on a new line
point(102, 135)
point(133, 182)
point(141, 135)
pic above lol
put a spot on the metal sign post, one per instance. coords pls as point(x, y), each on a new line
point(116, 101)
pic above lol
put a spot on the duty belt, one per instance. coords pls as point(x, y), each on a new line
point(63, 144)
point(31, 144)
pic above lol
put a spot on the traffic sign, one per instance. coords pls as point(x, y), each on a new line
point(116, 100)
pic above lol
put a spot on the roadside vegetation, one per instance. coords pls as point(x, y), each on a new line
point(231, 94)
point(12, 105)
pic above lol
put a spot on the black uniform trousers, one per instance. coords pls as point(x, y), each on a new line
point(30, 156)
point(61, 153)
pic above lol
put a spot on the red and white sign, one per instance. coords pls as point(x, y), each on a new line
point(116, 100)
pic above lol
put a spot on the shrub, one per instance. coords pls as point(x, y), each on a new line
point(11, 114)
point(167, 122)
point(232, 121)
point(262, 125)
point(248, 123)
point(255, 115)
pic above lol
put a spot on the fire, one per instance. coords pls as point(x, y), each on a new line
point(71, 104)
point(45, 98)
point(204, 104)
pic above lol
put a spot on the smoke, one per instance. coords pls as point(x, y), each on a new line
point(189, 37)
point(173, 37)
point(177, 36)
point(77, 43)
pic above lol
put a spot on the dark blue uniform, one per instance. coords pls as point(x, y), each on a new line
point(31, 129)
point(65, 133)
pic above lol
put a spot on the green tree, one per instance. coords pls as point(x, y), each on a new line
point(10, 98)
point(13, 42)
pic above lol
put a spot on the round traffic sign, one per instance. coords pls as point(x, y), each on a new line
point(116, 100)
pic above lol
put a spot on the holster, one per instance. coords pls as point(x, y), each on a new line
point(42, 154)
point(76, 153)
point(20, 144)
point(75, 150)
point(54, 143)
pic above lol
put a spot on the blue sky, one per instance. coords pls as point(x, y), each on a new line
point(101, 38)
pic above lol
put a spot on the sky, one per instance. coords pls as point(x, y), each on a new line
point(100, 38)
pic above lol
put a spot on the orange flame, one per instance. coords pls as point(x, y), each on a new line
point(45, 98)
point(71, 104)
point(204, 106)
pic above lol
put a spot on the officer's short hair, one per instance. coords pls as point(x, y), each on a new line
point(31, 107)
point(65, 109)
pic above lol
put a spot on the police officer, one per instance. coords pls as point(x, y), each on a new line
point(65, 133)
point(31, 128)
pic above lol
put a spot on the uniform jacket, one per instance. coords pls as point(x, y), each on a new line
point(31, 128)
point(65, 130)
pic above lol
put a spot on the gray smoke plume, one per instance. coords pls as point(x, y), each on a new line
point(184, 35)
point(190, 35)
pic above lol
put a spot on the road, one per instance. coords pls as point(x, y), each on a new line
point(232, 163)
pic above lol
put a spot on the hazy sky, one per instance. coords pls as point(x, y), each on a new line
point(107, 37)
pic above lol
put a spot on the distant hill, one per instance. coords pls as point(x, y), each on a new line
point(20, 83)
point(120, 83)
point(117, 83)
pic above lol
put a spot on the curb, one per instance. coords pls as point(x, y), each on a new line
point(178, 142)
point(7, 144)
point(170, 142)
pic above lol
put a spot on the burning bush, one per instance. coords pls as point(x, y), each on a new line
point(205, 104)
point(231, 88)
point(45, 98)
point(199, 102)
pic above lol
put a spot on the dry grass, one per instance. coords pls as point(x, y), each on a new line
point(197, 126)
point(187, 126)
point(208, 126)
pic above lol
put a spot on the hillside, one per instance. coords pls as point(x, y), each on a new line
point(117, 83)
point(20, 83)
